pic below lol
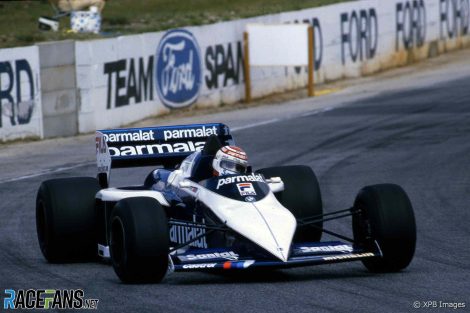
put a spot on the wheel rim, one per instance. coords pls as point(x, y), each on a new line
point(362, 228)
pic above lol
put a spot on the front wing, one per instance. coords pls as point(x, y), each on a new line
point(303, 254)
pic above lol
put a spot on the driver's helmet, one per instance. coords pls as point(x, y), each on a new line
point(230, 160)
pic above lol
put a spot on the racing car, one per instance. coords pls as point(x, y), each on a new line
point(187, 216)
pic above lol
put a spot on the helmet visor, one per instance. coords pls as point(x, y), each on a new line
point(233, 167)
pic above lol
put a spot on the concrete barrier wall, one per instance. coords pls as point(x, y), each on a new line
point(115, 81)
point(129, 78)
point(59, 93)
point(20, 94)
point(106, 83)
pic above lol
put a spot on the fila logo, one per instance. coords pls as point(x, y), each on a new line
point(246, 189)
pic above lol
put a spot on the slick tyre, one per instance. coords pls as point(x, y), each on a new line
point(65, 219)
point(386, 217)
point(139, 240)
point(301, 196)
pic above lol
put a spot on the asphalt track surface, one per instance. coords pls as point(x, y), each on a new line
point(418, 137)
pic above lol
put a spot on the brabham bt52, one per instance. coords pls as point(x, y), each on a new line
point(204, 208)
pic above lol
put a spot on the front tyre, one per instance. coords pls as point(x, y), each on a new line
point(139, 240)
point(385, 216)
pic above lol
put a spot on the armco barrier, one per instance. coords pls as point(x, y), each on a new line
point(125, 79)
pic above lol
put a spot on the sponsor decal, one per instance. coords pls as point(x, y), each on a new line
point(128, 81)
point(348, 256)
point(189, 132)
point(160, 140)
point(410, 24)
point(339, 248)
point(130, 136)
point(454, 18)
point(168, 134)
point(229, 255)
point(152, 149)
point(250, 199)
point(199, 266)
point(103, 159)
point(178, 69)
point(359, 34)
point(100, 144)
point(224, 65)
point(17, 92)
point(182, 234)
point(54, 299)
point(246, 189)
point(238, 179)
point(241, 264)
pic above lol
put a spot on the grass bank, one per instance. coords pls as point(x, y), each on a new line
point(18, 22)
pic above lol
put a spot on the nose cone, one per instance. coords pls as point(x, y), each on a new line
point(266, 223)
point(281, 225)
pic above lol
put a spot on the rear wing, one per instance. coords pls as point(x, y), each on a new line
point(160, 146)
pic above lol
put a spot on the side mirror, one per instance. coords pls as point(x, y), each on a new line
point(275, 184)
point(274, 180)
point(184, 184)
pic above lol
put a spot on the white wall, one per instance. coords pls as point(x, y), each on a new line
point(352, 39)
point(58, 88)
point(20, 94)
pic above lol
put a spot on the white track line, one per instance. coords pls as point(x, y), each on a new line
point(45, 172)
point(276, 120)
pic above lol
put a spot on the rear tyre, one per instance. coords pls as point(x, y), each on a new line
point(65, 219)
point(301, 196)
point(386, 216)
point(139, 240)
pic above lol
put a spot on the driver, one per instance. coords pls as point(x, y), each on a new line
point(230, 160)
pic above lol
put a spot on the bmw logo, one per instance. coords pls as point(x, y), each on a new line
point(250, 199)
point(178, 71)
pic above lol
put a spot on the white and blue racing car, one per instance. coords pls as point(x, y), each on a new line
point(185, 218)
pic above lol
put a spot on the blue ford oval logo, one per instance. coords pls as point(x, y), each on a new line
point(178, 69)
